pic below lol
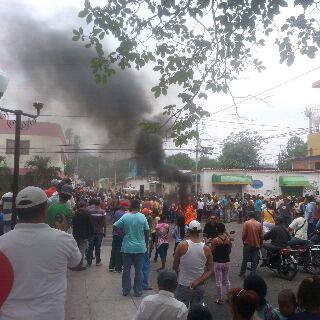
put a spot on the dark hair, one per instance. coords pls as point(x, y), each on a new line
point(258, 285)
point(199, 312)
point(135, 205)
point(251, 214)
point(97, 201)
point(32, 213)
point(91, 202)
point(308, 293)
point(244, 302)
point(181, 223)
point(221, 228)
point(167, 280)
point(287, 293)
point(64, 197)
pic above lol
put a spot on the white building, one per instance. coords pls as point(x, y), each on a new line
point(42, 138)
point(263, 182)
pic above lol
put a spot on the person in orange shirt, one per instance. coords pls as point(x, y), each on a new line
point(252, 237)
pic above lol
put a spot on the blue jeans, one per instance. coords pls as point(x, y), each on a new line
point(94, 244)
point(250, 254)
point(297, 242)
point(146, 271)
point(189, 296)
point(135, 259)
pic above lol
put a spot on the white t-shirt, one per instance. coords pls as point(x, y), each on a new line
point(297, 223)
point(39, 256)
point(200, 205)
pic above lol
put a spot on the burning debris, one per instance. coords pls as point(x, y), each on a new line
point(150, 156)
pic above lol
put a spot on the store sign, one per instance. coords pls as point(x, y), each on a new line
point(257, 184)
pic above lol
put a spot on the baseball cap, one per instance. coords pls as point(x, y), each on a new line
point(30, 197)
point(194, 225)
point(66, 189)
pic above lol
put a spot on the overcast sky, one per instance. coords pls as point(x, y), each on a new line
point(281, 111)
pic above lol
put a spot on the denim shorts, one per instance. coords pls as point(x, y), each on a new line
point(162, 250)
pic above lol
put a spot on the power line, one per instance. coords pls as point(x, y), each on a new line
point(252, 96)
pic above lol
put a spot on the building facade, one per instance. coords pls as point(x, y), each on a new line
point(264, 182)
point(42, 138)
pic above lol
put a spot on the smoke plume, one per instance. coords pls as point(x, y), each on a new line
point(58, 69)
point(151, 156)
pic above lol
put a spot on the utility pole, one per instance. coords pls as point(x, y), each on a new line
point(197, 158)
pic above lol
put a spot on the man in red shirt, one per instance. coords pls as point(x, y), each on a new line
point(252, 237)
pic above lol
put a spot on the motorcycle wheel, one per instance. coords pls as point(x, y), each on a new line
point(289, 269)
point(316, 264)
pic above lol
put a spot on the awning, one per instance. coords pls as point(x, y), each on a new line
point(293, 181)
point(194, 178)
point(231, 179)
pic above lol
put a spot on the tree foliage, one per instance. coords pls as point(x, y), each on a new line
point(296, 147)
point(241, 150)
point(198, 46)
point(181, 161)
point(92, 168)
point(41, 170)
point(206, 162)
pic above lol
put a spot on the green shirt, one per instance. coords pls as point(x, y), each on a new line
point(134, 225)
point(58, 209)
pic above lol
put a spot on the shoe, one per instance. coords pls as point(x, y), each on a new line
point(125, 293)
point(118, 271)
point(137, 295)
point(88, 265)
point(111, 270)
point(98, 264)
point(149, 288)
point(81, 268)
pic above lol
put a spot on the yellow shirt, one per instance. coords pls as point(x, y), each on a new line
point(268, 215)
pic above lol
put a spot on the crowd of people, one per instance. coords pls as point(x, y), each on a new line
point(63, 227)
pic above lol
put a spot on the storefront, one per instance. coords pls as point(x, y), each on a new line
point(230, 184)
point(293, 185)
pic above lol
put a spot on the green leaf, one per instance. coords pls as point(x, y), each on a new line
point(83, 13)
point(89, 18)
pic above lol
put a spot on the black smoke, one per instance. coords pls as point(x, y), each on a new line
point(58, 69)
point(151, 157)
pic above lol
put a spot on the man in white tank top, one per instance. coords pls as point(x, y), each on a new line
point(193, 263)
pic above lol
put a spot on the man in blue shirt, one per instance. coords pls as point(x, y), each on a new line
point(134, 245)
point(258, 208)
point(310, 214)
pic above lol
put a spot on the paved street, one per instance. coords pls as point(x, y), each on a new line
point(95, 294)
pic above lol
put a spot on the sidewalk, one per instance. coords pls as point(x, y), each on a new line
point(95, 294)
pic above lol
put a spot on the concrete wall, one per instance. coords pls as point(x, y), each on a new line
point(39, 145)
point(269, 179)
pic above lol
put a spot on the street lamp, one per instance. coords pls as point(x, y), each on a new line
point(19, 125)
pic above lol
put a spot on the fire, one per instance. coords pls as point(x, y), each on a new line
point(190, 213)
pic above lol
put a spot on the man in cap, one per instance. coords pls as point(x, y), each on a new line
point(163, 305)
point(34, 259)
point(193, 260)
point(55, 196)
point(59, 214)
point(115, 263)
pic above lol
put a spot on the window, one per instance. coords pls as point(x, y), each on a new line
point(317, 165)
point(24, 147)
